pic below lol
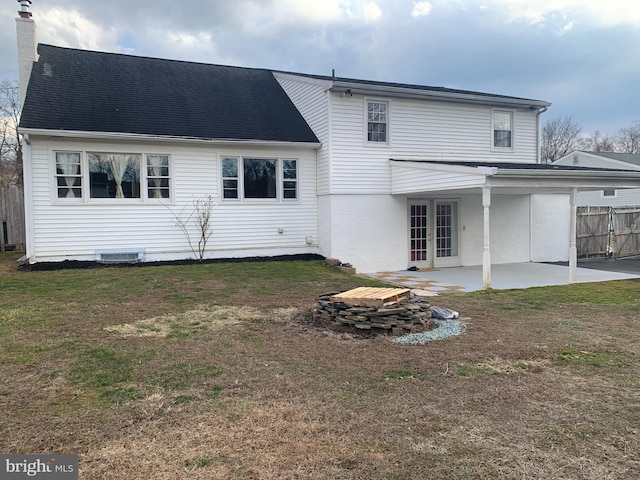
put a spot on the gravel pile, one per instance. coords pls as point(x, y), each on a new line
point(446, 329)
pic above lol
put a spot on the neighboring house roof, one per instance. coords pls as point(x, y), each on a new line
point(621, 157)
point(424, 91)
point(606, 160)
point(88, 91)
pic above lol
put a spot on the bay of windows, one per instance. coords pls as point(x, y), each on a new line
point(112, 175)
point(259, 178)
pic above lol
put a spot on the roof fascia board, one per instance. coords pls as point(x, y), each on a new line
point(163, 138)
point(325, 84)
point(598, 175)
point(443, 167)
point(564, 182)
point(407, 92)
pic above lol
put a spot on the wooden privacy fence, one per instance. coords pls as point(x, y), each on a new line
point(12, 227)
point(608, 232)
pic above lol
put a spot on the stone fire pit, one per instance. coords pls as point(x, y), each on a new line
point(376, 310)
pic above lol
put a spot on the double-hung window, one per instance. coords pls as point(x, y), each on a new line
point(68, 174)
point(259, 178)
point(109, 175)
point(502, 129)
point(377, 121)
point(158, 176)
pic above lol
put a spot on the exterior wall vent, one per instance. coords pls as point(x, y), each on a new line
point(120, 256)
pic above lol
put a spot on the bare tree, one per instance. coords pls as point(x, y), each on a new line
point(627, 139)
point(10, 143)
point(200, 215)
point(597, 142)
point(559, 137)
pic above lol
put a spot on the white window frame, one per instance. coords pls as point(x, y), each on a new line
point(387, 103)
point(512, 115)
point(56, 176)
point(604, 193)
point(280, 179)
point(86, 181)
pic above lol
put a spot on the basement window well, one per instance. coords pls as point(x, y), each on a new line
point(119, 256)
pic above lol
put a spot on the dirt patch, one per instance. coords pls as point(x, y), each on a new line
point(203, 318)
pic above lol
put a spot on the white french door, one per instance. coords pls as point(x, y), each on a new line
point(419, 234)
point(442, 218)
point(447, 235)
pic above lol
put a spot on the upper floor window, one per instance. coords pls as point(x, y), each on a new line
point(377, 121)
point(502, 129)
point(112, 175)
point(608, 193)
point(259, 178)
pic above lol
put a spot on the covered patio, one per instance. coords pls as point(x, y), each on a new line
point(503, 276)
point(430, 179)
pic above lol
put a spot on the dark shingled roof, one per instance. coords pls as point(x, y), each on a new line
point(105, 92)
point(425, 88)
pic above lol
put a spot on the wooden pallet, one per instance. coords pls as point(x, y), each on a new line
point(372, 297)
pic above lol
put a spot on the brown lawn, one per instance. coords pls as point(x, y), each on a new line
point(215, 372)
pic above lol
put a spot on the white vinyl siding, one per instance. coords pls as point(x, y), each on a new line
point(420, 130)
point(313, 102)
point(624, 197)
point(76, 230)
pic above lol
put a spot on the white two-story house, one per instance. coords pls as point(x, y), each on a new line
point(383, 176)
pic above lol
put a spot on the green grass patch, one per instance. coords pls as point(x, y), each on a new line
point(577, 358)
point(183, 375)
point(214, 393)
point(121, 395)
point(184, 399)
point(470, 370)
point(621, 293)
point(101, 367)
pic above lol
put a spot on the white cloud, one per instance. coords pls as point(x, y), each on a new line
point(421, 9)
point(316, 12)
point(567, 28)
point(604, 12)
point(371, 11)
point(68, 28)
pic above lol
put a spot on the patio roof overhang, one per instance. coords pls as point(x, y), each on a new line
point(431, 177)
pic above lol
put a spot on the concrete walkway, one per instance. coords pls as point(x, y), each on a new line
point(512, 275)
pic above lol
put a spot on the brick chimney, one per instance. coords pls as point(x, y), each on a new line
point(27, 53)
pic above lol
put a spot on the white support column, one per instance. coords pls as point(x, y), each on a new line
point(573, 249)
point(486, 253)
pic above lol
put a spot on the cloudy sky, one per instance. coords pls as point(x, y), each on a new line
point(583, 56)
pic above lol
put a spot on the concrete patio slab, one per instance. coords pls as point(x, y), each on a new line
point(505, 276)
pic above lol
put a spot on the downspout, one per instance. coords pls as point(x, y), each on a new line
point(28, 200)
point(538, 140)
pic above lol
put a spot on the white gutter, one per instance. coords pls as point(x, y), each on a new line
point(165, 138)
point(570, 174)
